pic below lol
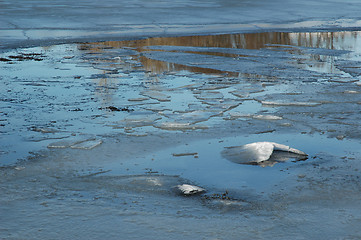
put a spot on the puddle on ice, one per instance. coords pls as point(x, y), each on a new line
point(118, 125)
point(204, 164)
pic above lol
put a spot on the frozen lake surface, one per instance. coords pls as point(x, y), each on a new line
point(96, 136)
point(40, 23)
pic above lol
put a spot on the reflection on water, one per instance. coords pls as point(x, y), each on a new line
point(243, 40)
point(255, 41)
point(328, 40)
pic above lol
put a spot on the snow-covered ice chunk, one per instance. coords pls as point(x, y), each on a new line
point(256, 152)
point(187, 189)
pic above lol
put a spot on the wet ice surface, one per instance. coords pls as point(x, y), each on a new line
point(114, 127)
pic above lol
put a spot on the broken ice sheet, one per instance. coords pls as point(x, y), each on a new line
point(88, 144)
point(157, 95)
point(44, 129)
point(138, 131)
point(223, 105)
point(209, 95)
point(76, 144)
point(138, 119)
point(234, 115)
point(62, 144)
point(289, 103)
point(240, 94)
point(179, 126)
point(212, 87)
point(293, 99)
point(244, 91)
point(192, 117)
point(262, 153)
point(266, 117)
